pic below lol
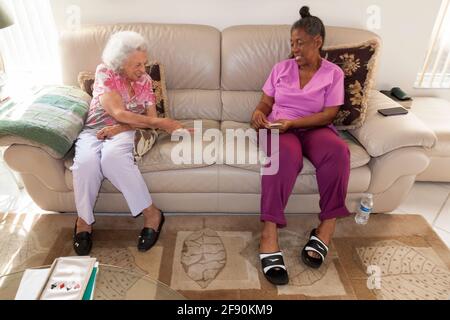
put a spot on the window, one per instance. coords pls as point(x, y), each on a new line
point(29, 47)
point(436, 69)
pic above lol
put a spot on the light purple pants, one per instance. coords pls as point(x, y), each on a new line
point(112, 159)
point(330, 156)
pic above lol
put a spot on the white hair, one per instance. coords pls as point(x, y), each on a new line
point(120, 45)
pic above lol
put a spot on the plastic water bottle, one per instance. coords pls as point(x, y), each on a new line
point(365, 209)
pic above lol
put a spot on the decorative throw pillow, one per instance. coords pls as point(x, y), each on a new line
point(51, 119)
point(144, 139)
point(86, 81)
point(358, 63)
point(156, 72)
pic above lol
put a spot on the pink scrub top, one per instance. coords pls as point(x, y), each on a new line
point(325, 89)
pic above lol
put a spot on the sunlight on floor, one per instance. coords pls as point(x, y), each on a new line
point(24, 213)
point(21, 227)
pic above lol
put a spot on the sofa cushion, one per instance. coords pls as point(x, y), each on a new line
point(250, 51)
point(239, 105)
point(358, 63)
point(155, 70)
point(359, 156)
point(195, 104)
point(238, 180)
point(380, 135)
point(159, 157)
point(435, 113)
point(195, 64)
point(193, 180)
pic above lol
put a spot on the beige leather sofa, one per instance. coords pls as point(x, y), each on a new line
point(435, 113)
point(217, 77)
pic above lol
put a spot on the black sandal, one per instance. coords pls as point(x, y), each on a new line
point(316, 245)
point(149, 236)
point(273, 268)
point(82, 242)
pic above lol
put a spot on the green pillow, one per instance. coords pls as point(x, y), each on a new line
point(52, 118)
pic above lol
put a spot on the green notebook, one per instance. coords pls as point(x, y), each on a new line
point(89, 292)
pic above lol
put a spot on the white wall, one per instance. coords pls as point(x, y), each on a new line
point(405, 25)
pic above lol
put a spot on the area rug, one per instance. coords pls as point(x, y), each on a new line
point(216, 256)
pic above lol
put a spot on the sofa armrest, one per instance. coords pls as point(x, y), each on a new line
point(380, 135)
point(34, 161)
point(7, 141)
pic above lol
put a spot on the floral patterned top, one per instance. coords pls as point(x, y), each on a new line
point(325, 89)
point(106, 80)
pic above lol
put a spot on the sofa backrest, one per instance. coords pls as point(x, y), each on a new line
point(250, 52)
point(209, 74)
point(190, 55)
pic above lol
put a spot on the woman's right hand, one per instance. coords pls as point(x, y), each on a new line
point(259, 120)
point(170, 125)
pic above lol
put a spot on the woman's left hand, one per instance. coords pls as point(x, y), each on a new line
point(110, 131)
point(285, 125)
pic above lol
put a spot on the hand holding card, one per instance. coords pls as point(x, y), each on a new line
point(282, 125)
point(274, 125)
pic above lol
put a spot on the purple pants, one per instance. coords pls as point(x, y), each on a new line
point(330, 156)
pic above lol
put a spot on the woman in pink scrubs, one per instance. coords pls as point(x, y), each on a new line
point(303, 95)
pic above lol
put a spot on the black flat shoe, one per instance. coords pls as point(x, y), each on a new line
point(273, 268)
point(149, 236)
point(82, 242)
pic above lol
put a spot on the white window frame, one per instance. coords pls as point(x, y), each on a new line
point(435, 72)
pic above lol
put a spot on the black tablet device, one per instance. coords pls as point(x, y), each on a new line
point(392, 111)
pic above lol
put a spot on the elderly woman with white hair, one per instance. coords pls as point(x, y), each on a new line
point(123, 100)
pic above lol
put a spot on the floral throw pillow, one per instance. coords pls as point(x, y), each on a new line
point(358, 63)
point(144, 139)
point(156, 72)
point(86, 81)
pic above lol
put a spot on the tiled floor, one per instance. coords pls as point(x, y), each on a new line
point(430, 199)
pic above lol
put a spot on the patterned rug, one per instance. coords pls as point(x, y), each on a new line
point(215, 257)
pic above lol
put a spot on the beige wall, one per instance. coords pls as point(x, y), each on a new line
point(405, 25)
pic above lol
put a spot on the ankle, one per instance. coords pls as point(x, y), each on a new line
point(268, 236)
point(151, 211)
point(326, 229)
point(82, 226)
point(268, 242)
point(152, 217)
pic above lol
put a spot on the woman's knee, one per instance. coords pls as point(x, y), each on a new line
point(340, 152)
point(112, 159)
point(290, 151)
